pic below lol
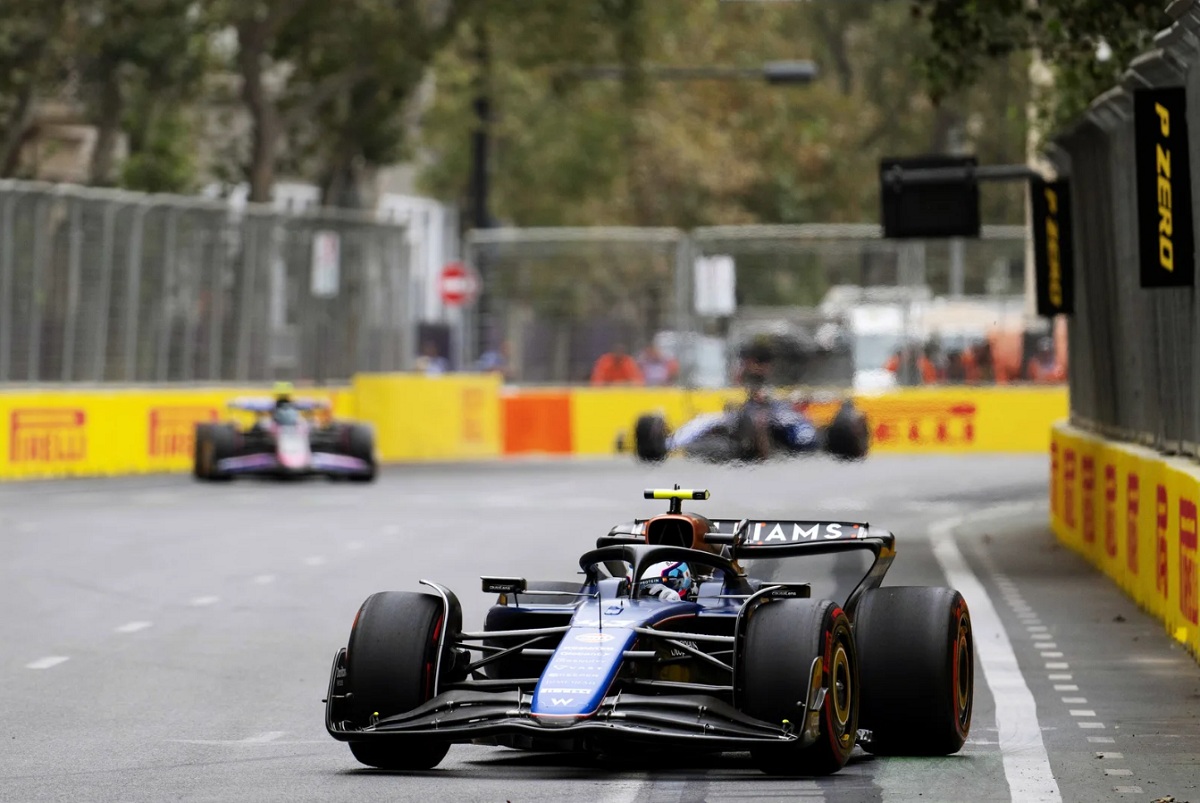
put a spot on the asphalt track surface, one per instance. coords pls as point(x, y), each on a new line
point(168, 640)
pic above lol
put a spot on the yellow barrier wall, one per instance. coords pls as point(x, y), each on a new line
point(1136, 521)
point(950, 420)
point(450, 417)
point(108, 432)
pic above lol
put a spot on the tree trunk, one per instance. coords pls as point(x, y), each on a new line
point(834, 33)
point(16, 129)
point(265, 128)
point(108, 127)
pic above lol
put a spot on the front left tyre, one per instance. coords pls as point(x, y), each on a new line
point(391, 660)
point(783, 638)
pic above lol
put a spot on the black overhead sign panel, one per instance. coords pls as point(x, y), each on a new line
point(1166, 242)
point(1054, 259)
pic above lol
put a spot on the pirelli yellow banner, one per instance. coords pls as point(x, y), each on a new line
point(110, 432)
point(1132, 513)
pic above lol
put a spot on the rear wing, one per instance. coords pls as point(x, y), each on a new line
point(265, 404)
point(774, 538)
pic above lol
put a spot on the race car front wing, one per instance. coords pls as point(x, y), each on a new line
point(465, 715)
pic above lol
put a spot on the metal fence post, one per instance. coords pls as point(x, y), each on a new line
point(6, 278)
point(35, 290)
point(165, 310)
point(74, 269)
point(216, 327)
point(133, 288)
point(103, 297)
point(250, 253)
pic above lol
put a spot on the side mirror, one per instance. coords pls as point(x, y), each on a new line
point(503, 585)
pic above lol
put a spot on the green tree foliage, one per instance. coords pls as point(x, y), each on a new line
point(137, 61)
point(573, 150)
point(28, 31)
point(968, 35)
point(356, 67)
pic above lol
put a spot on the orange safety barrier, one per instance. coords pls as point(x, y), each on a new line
point(537, 422)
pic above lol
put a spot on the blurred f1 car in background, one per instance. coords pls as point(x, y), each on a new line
point(760, 428)
point(666, 642)
point(290, 437)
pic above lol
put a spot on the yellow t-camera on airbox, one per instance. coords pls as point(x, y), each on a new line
point(676, 493)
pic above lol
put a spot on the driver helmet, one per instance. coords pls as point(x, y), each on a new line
point(668, 576)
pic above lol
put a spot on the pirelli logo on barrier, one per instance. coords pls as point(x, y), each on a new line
point(1055, 482)
point(1187, 561)
point(1166, 243)
point(47, 435)
point(1053, 251)
point(1161, 577)
point(1110, 510)
point(1088, 501)
point(1069, 487)
point(928, 424)
point(173, 429)
point(1132, 484)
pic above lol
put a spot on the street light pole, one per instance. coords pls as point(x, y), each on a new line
point(481, 217)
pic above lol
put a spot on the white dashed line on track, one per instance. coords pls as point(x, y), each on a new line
point(133, 627)
point(200, 602)
point(315, 560)
point(1128, 790)
point(264, 579)
point(1101, 739)
point(354, 546)
point(47, 662)
point(1065, 687)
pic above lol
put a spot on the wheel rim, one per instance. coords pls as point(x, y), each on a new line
point(842, 687)
point(964, 667)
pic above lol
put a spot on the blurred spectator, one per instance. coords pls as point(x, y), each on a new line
point(981, 362)
point(956, 369)
point(1043, 366)
point(927, 363)
point(657, 368)
point(496, 360)
point(617, 368)
point(431, 363)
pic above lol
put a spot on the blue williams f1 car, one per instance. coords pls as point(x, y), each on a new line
point(666, 642)
point(290, 437)
point(760, 428)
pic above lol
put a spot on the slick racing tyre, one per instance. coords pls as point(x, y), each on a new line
point(650, 438)
point(390, 659)
point(360, 443)
point(848, 437)
point(214, 442)
point(783, 637)
point(917, 660)
point(518, 612)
